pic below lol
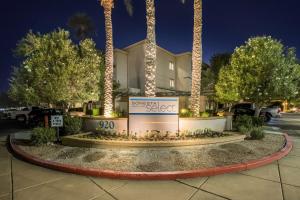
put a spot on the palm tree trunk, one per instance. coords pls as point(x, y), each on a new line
point(150, 51)
point(109, 55)
point(197, 58)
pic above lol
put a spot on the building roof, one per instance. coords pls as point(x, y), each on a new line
point(163, 49)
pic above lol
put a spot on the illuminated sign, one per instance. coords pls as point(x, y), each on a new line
point(153, 114)
point(157, 105)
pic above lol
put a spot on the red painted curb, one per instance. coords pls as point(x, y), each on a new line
point(153, 175)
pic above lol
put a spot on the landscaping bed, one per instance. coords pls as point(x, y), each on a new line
point(155, 136)
point(157, 159)
point(96, 140)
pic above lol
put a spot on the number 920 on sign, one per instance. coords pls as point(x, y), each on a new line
point(106, 125)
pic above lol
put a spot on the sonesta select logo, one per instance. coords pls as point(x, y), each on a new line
point(155, 106)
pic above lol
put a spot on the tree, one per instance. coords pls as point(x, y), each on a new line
point(86, 73)
point(54, 70)
point(150, 51)
point(227, 85)
point(207, 79)
point(217, 61)
point(259, 71)
point(21, 87)
point(109, 58)
point(289, 72)
point(109, 54)
point(196, 58)
point(5, 101)
point(82, 25)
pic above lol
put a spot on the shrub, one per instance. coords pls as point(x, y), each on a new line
point(245, 121)
point(204, 114)
point(43, 135)
point(257, 133)
point(244, 130)
point(249, 121)
point(257, 121)
point(72, 125)
point(96, 111)
point(199, 133)
point(117, 114)
point(185, 113)
point(250, 126)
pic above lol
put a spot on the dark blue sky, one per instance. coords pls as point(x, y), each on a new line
point(227, 24)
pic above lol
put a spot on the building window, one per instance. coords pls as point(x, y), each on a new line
point(171, 66)
point(115, 72)
point(172, 83)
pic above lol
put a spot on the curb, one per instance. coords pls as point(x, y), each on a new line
point(153, 175)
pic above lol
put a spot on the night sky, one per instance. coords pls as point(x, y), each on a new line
point(227, 24)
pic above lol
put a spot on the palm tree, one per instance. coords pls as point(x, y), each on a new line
point(109, 58)
point(109, 54)
point(196, 58)
point(82, 25)
point(150, 51)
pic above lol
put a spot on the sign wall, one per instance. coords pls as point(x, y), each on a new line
point(153, 114)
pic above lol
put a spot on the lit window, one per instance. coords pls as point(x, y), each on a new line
point(172, 83)
point(171, 66)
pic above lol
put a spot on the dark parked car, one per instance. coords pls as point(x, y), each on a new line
point(37, 117)
point(242, 109)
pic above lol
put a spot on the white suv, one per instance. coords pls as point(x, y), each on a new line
point(22, 115)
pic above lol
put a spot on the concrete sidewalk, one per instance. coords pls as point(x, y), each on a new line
point(23, 181)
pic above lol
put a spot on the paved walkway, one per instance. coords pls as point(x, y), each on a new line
point(277, 181)
point(23, 181)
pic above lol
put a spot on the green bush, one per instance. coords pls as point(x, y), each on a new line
point(245, 121)
point(96, 112)
point(185, 113)
point(117, 114)
point(204, 114)
point(72, 125)
point(249, 121)
point(257, 133)
point(257, 121)
point(243, 129)
point(250, 126)
point(43, 135)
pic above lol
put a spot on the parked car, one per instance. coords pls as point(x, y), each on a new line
point(6, 114)
point(294, 109)
point(22, 115)
point(76, 112)
point(37, 117)
point(271, 112)
point(239, 109)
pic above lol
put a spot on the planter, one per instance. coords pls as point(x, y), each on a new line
point(120, 125)
point(192, 124)
point(76, 141)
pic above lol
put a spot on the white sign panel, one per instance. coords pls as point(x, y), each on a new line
point(153, 114)
point(56, 121)
point(155, 106)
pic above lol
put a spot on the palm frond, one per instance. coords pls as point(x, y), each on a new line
point(129, 7)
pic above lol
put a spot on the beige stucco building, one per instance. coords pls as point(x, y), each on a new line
point(173, 73)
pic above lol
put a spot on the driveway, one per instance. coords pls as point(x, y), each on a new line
point(279, 180)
